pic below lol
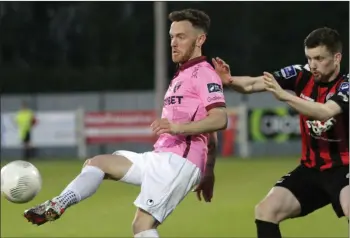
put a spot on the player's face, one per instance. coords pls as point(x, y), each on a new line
point(184, 41)
point(322, 62)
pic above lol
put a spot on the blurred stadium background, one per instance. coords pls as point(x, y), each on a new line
point(94, 74)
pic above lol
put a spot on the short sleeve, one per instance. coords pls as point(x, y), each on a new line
point(341, 97)
point(287, 77)
point(209, 88)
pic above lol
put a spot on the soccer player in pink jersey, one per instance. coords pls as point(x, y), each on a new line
point(184, 155)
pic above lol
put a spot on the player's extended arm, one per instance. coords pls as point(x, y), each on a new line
point(242, 84)
point(247, 84)
point(216, 120)
point(315, 110)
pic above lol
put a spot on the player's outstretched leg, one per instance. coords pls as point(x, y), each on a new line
point(277, 206)
point(83, 186)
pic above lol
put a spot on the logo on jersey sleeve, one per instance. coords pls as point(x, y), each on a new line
point(343, 91)
point(215, 98)
point(290, 71)
point(214, 87)
point(344, 87)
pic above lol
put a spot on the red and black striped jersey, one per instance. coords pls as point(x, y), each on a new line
point(325, 144)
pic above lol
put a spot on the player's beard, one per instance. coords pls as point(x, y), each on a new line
point(324, 77)
point(189, 53)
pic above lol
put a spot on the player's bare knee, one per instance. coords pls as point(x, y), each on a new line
point(266, 211)
point(143, 221)
point(272, 210)
point(139, 225)
point(96, 161)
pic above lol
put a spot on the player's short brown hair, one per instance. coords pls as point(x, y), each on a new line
point(198, 18)
point(324, 37)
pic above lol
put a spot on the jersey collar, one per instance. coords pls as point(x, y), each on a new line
point(189, 64)
point(192, 62)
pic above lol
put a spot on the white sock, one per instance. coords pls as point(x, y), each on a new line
point(82, 187)
point(149, 234)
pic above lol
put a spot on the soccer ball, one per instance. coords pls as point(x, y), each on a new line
point(20, 181)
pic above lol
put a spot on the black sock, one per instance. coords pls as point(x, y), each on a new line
point(267, 229)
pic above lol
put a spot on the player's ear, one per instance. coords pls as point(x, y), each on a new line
point(200, 40)
point(337, 58)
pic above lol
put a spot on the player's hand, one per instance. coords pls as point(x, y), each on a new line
point(206, 187)
point(163, 125)
point(223, 70)
point(272, 86)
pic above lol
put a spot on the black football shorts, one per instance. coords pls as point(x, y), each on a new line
point(315, 189)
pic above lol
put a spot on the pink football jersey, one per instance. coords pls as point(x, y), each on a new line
point(194, 90)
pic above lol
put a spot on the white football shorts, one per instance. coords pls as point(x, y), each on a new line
point(165, 179)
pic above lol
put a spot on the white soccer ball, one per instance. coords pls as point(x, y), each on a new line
point(20, 181)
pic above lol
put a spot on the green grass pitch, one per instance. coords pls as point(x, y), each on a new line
point(240, 184)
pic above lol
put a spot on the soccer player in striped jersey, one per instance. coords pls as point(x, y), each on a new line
point(322, 99)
